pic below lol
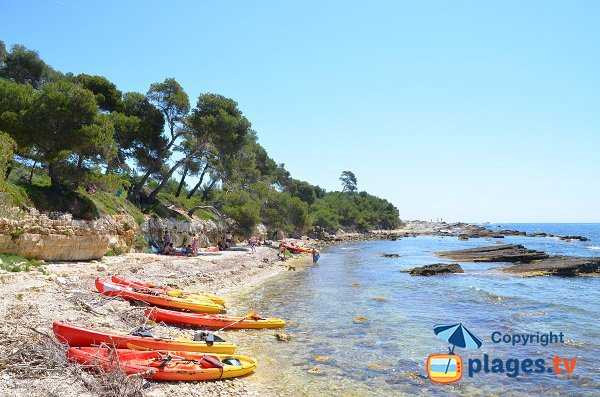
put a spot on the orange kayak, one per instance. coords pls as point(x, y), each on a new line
point(156, 297)
point(165, 289)
point(211, 320)
point(74, 335)
point(163, 365)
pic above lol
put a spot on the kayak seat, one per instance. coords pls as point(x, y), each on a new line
point(143, 334)
point(210, 362)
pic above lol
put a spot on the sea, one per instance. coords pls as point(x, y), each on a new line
point(362, 327)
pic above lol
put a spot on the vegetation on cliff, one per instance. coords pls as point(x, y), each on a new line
point(76, 143)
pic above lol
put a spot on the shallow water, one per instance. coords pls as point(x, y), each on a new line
point(387, 353)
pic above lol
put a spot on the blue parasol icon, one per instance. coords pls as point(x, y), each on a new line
point(457, 335)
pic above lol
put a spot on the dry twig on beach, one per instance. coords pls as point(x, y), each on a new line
point(30, 353)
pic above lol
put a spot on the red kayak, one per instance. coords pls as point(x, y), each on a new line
point(297, 249)
point(212, 320)
point(74, 335)
point(163, 365)
point(165, 289)
point(157, 298)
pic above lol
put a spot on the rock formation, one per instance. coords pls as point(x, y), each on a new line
point(436, 268)
point(497, 253)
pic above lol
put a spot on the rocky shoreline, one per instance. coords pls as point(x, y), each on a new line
point(527, 261)
point(461, 230)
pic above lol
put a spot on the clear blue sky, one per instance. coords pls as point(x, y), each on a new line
point(474, 111)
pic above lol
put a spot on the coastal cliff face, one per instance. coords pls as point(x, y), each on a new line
point(181, 232)
point(57, 236)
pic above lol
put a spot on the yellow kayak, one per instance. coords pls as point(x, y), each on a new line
point(156, 298)
point(176, 292)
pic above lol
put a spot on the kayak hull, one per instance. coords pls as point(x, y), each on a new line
point(156, 297)
point(211, 321)
point(295, 249)
point(183, 366)
point(134, 283)
point(75, 335)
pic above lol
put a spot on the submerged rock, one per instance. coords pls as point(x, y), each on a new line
point(434, 269)
point(283, 337)
point(573, 238)
point(391, 255)
point(500, 253)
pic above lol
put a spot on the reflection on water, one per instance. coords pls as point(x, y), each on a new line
point(333, 354)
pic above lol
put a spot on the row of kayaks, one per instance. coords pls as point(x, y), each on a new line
point(206, 357)
point(200, 309)
point(159, 296)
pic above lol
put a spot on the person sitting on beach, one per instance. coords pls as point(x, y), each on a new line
point(220, 245)
point(253, 241)
point(187, 249)
point(168, 250)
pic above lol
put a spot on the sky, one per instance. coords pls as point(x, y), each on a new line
point(460, 110)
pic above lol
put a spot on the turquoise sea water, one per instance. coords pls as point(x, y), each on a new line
point(386, 354)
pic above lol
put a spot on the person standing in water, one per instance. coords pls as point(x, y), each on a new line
point(315, 255)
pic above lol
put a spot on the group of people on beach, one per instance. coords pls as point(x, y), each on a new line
point(188, 250)
point(167, 247)
point(225, 243)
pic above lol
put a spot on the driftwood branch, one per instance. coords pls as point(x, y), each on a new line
point(204, 207)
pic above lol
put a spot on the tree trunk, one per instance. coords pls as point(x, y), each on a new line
point(135, 192)
point(182, 181)
point(208, 189)
point(54, 179)
point(80, 162)
point(193, 191)
point(109, 166)
point(8, 171)
point(160, 187)
point(32, 170)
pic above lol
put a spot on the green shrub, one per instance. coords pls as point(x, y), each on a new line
point(16, 234)
point(114, 250)
point(13, 195)
point(15, 264)
point(326, 219)
point(243, 208)
point(282, 211)
point(141, 244)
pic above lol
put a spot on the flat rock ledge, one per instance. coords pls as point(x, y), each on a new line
point(435, 269)
point(512, 253)
point(526, 261)
point(567, 266)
